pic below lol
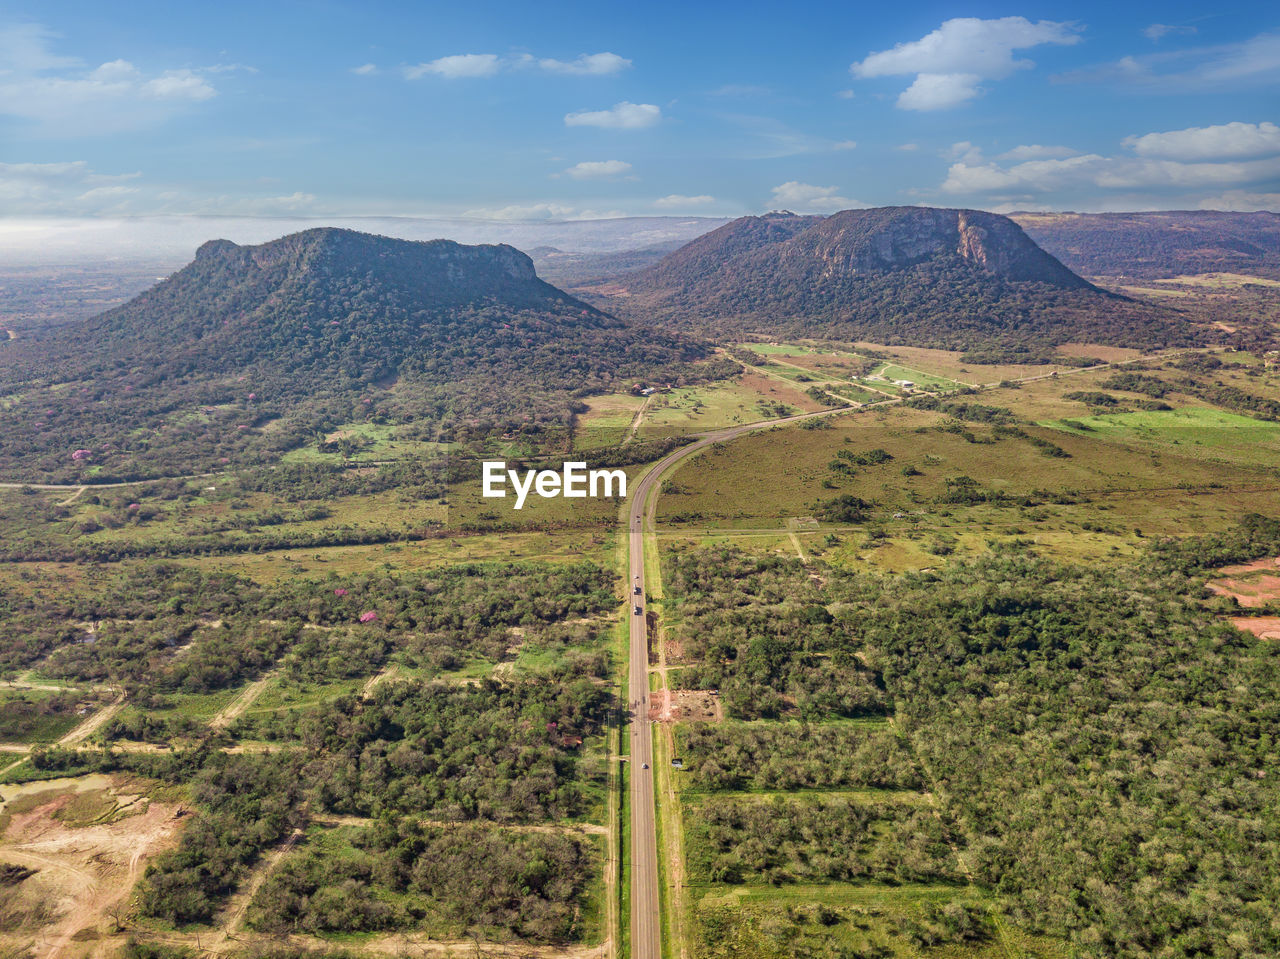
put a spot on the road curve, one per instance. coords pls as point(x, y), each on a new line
point(646, 919)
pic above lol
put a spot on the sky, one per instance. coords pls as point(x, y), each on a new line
point(535, 111)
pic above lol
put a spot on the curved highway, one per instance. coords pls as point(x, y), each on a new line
point(646, 919)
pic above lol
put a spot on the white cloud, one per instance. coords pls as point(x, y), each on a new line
point(1227, 141)
point(1242, 201)
point(229, 68)
point(676, 201)
point(1229, 66)
point(365, 69)
point(965, 151)
point(293, 203)
point(588, 64)
point(805, 197)
point(490, 64)
point(598, 169)
point(939, 91)
point(845, 94)
point(844, 145)
point(1178, 166)
point(24, 49)
point(456, 67)
point(69, 187)
point(534, 211)
point(180, 85)
point(621, 116)
point(1158, 31)
point(1035, 151)
point(538, 212)
point(61, 96)
point(1106, 172)
point(73, 188)
point(908, 147)
point(599, 214)
point(951, 62)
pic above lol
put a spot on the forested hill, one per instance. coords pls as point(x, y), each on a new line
point(1160, 245)
point(253, 350)
point(936, 277)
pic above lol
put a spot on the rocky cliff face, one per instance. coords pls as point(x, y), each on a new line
point(895, 238)
point(857, 243)
point(920, 275)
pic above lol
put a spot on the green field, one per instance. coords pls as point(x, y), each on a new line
point(1192, 426)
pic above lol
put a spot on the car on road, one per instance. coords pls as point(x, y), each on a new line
point(638, 610)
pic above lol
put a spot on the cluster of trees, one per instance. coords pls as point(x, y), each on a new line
point(846, 462)
point(495, 751)
point(1216, 392)
point(964, 409)
point(734, 756)
point(210, 544)
point(247, 804)
point(298, 482)
point(821, 839)
point(1102, 748)
point(845, 508)
point(771, 653)
point(230, 630)
point(449, 880)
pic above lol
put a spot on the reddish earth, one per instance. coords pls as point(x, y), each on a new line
point(72, 903)
point(1249, 592)
point(779, 390)
point(1264, 627)
point(1257, 566)
point(1108, 354)
point(686, 705)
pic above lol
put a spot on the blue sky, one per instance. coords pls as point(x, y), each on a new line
point(572, 110)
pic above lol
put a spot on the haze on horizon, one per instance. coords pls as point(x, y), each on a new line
point(503, 113)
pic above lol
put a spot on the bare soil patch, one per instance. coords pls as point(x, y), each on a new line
point(1110, 354)
point(1257, 566)
point(88, 841)
point(780, 391)
point(1264, 627)
point(686, 706)
point(1251, 591)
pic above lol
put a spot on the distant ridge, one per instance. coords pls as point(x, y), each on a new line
point(936, 277)
point(1160, 245)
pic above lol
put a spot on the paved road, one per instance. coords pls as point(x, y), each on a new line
point(646, 920)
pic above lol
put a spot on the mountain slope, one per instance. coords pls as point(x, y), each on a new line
point(252, 350)
point(956, 278)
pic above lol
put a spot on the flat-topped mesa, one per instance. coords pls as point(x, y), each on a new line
point(327, 327)
point(334, 250)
